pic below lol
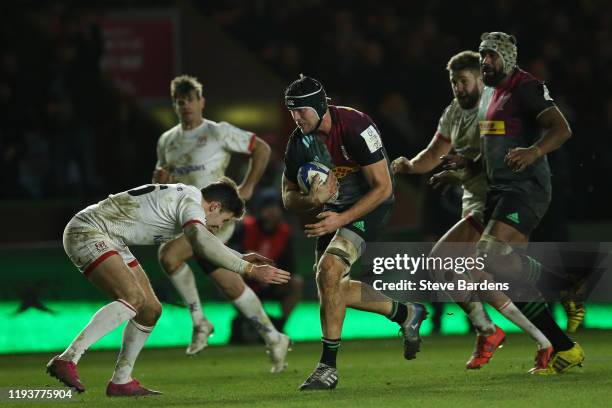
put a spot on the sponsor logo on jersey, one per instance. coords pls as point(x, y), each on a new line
point(187, 169)
point(492, 127)
point(101, 246)
point(372, 138)
point(342, 171)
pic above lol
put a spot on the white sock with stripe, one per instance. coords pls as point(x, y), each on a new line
point(512, 313)
point(250, 306)
point(134, 337)
point(185, 284)
point(103, 322)
point(479, 318)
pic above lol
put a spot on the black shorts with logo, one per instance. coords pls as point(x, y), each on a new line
point(519, 210)
point(368, 228)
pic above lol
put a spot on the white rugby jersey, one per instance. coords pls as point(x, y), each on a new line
point(200, 156)
point(146, 215)
point(459, 127)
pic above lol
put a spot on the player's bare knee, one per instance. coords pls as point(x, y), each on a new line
point(230, 283)
point(168, 259)
point(135, 297)
point(150, 312)
point(329, 272)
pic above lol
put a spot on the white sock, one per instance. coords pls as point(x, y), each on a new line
point(134, 337)
point(103, 322)
point(249, 305)
point(185, 283)
point(479, 318)
point(512, 313)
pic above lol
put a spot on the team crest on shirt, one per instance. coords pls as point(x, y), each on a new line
point(100, 246)
point(201, 141)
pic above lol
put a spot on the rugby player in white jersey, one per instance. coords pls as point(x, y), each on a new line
point(97, 240)
point(197, 152)
point(458, 131)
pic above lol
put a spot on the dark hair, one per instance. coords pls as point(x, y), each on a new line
point(225, 192)
point(183, 85)
point(469, 60)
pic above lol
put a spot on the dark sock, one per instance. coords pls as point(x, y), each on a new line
point(330, 351)
point(539, 314)
point(399, 312)
point(545, 278)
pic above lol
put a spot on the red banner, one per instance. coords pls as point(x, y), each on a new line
point(139, 53)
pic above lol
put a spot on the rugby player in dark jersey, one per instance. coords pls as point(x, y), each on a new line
point(349, 143)
point(519, 124)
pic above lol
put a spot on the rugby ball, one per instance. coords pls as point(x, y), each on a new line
point(307, 172)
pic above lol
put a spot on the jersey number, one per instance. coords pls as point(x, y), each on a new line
point(146, 189)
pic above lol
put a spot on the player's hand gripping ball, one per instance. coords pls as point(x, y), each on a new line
point(318, 181)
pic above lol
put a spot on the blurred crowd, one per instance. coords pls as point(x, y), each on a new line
point(388, 59)
point(59, 116)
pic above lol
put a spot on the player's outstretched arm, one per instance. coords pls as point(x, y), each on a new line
point(426, 160)
point(207, 246)
point(260, 156)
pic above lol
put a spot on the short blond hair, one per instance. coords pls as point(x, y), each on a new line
point(182, 85)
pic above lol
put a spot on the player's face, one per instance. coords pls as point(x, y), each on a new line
point(466, 87)
point(306, 119)
point(491, 66)
point(189, 107)
point(216, 217)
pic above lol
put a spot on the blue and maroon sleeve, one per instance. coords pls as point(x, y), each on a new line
point(363, 141)
point(534, 98)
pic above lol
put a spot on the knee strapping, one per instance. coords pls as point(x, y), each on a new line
point(492, 247)
point(343, 249)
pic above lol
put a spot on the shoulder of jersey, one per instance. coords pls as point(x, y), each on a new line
point(355, 118)
point(452, 107)
point(524, 77)
point(347, 111)
point(220, 127)
point(188, 188)
point(170, 132)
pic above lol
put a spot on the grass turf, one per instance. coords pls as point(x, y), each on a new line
point(372, 373)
